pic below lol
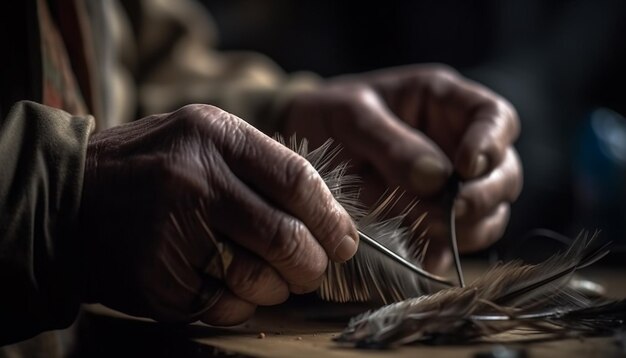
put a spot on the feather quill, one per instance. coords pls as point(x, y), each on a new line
point(510, 295)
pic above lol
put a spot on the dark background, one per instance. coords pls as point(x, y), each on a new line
point(561, 63)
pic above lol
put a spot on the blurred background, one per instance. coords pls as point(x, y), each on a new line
point(561, 63)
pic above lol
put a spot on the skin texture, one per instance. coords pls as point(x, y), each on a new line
point(152, 186)
point(411, 127)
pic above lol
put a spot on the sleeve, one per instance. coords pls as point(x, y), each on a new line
point(178, 63)
point(42, 156)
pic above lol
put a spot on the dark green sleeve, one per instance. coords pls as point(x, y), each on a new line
point(42, 157)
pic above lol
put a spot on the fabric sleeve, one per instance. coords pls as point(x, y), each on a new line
point(177, 63)
point(42, 156)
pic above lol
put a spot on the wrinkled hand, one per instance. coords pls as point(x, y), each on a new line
point(412, 127)
point(152, 186)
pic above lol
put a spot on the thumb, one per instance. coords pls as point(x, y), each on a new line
point(403, 155)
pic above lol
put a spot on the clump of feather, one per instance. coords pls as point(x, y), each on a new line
point(369, 276)
point(510, 295)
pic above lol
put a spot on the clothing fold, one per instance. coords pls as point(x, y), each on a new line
point(42, 158)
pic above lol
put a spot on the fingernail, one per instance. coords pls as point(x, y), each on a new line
point(460, 208)
point(346, 248)
point(428, 175)
point(480, 165)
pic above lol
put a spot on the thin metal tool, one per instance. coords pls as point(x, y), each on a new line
point(452, 189)
point(399, 259)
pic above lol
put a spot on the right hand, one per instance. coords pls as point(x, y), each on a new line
point(411, 127)
point(151, 185)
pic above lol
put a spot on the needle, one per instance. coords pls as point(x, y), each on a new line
point(452, 189)
point(399, 259)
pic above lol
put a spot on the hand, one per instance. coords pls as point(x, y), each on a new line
point(412, 127)
point(158, 190)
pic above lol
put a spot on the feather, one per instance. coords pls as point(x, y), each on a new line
point(373, 277)
point(510, 295)
point(539, 298)
point(384, 274)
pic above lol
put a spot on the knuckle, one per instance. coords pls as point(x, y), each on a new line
point(194, 116)
point(440, 72)
point(190, 114)
point(441, 82)
point(503, 115)
point(505, 109)
point(354, 97)
point(190, 109)
point(361, 93)
point(198, 109)
point(300, 178)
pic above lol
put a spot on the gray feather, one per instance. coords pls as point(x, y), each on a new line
point(508, 296)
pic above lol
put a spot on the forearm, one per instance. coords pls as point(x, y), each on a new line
point(42, 153)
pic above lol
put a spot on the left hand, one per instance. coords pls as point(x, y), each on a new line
point(411, 127)
point(161, 192)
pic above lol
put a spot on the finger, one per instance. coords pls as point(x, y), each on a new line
point(479, 197)
point(469, 122)
point(243, 273)
point(477, 236)
point(253, 280)
point(493, 127)
point(282, 240)
point(173, 290)
point(404, 156)
point(229, 310)
point(473, 225)
point(474, 235)
point(472, 124)
point(179, 292)
point(292, 184)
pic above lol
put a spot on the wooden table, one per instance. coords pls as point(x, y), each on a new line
point(305, 328)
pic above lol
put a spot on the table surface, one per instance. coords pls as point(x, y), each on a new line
point(305, 328)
